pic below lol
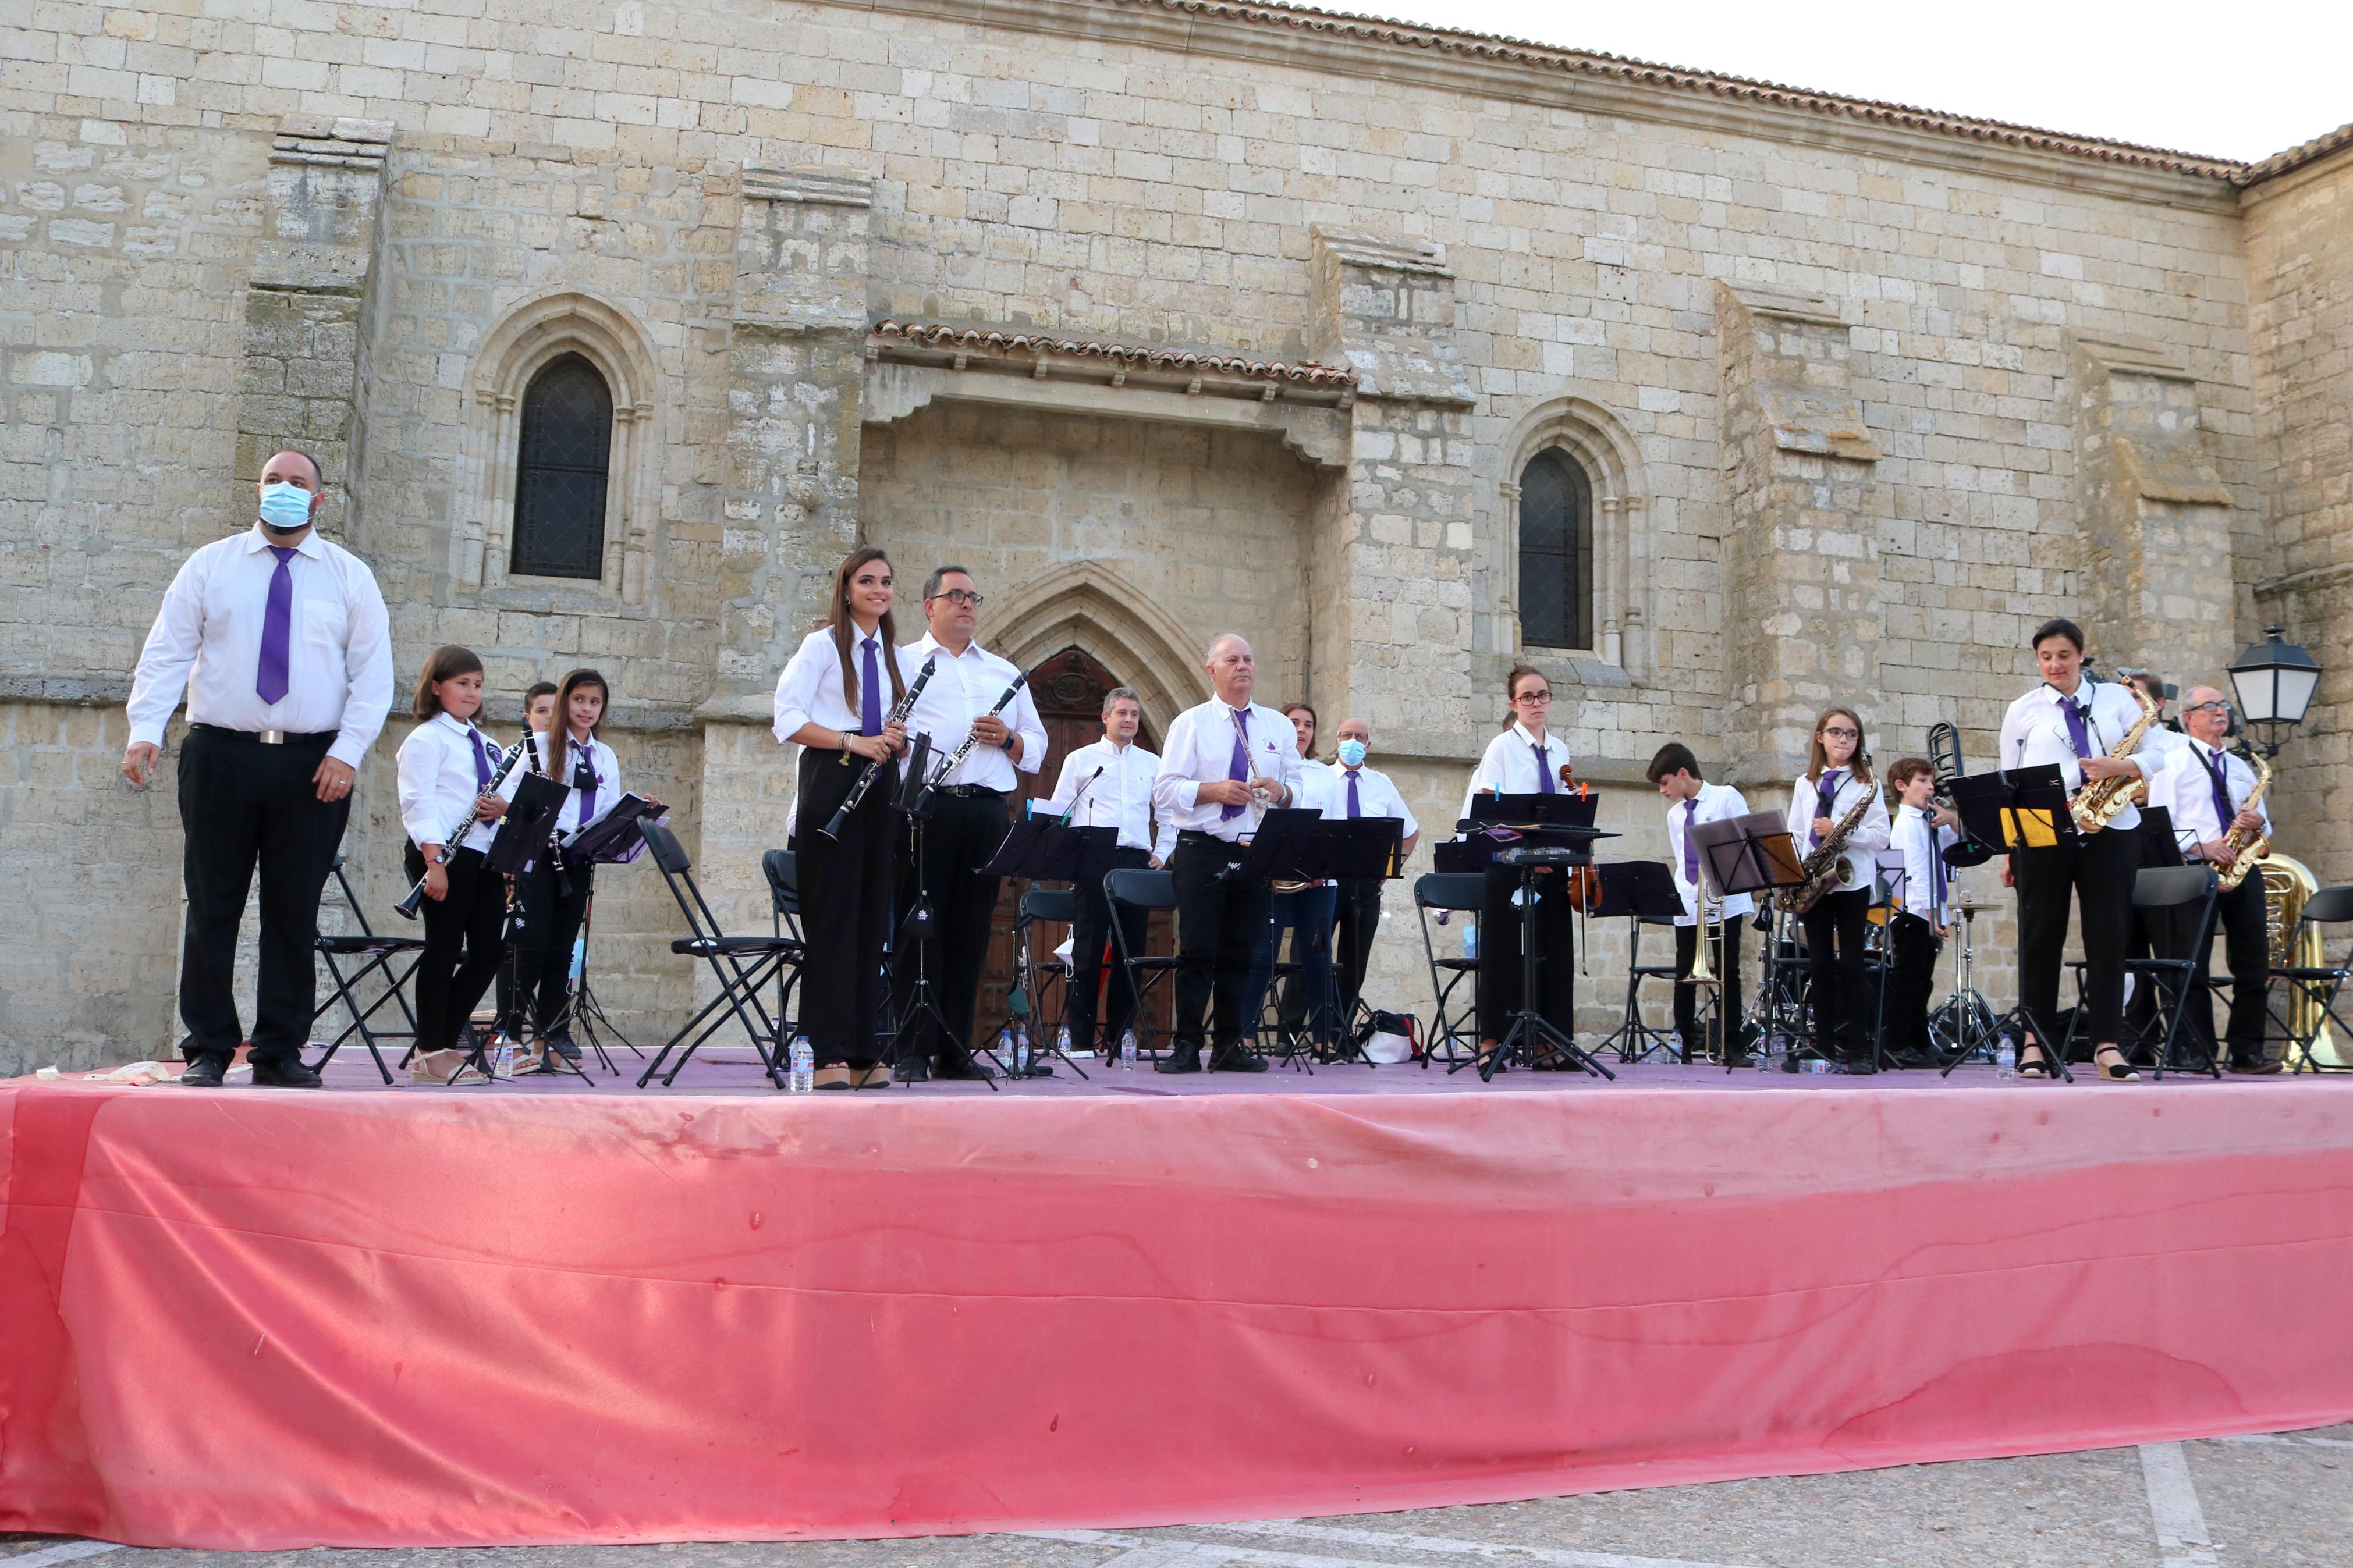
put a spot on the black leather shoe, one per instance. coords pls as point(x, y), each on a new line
point(284, 1072)
point(204, 1070)
point(2258, 1068)
point(970, 1067)
point(911, 1069)
point(1741, 1059)
point(1236, 1059)
point(1181, 1059)
point(1037, 1070)
point(1862, 1068)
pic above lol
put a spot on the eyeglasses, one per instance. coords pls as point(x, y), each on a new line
point(1537, 698)
point(2215, 707)
point(960, 596)
point(1842, 734)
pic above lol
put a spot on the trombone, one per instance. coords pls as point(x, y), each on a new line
point(1707, 959)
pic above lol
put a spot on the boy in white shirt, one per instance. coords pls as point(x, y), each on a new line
point(1921, 832)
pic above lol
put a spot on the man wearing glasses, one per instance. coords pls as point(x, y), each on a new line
point(2204, 789)
point(967, 822)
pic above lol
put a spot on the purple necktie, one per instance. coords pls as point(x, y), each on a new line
point(869, 695)
point(481, 757)
point(1690, 845)
point(1238, 768)
point(277, 628)
point(1354, 810)
point(2075, 732)
point(587, 768)
point(2218, 775)
point(1544, 770)
point(1828, 797)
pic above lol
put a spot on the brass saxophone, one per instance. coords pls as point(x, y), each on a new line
point(1828, 865)
point(2099, 803)
point(2249, 845)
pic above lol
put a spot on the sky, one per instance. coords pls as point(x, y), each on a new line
point(2229, 79)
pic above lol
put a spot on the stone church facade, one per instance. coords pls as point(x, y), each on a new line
point(1164, 317)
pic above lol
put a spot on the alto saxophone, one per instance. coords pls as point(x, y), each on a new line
point(1828, 865)
point(2247, 845)
point(2099, 803)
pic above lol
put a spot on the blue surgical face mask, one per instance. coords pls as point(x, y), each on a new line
point(286, 508)
point(1352, 753)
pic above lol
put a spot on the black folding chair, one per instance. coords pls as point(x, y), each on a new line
point(2167, 888)
point(1035, 978)
point(782, 868)
point(743, 965)
point(1453, 1022)
point(380, 955)
point(1634, 1037)
point(2313, 989)
point(1141, 889)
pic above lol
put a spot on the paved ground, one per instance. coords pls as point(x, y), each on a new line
point(2284, 1501)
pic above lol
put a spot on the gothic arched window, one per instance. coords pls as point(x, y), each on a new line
point(562, 468)
point(1556, 551)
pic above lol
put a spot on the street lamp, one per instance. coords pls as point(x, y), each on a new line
point(2273, 682)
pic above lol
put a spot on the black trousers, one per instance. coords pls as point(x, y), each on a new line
point(465, 942)
point(243, 803)
point(2097, 871)
point(1500, 953)
point(962, 833)
point(1911, 979)
point(846, 902)
point(547, 923)
point(1090, 933)
point(1727, 1022)
point(1358, 920)
point(2246, 951)
point(1834, 981)
point(1218, 922)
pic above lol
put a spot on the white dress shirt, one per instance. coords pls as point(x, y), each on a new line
point(963, 687)
point(1375, 796)
point(2034, 733)
point(1870, 835)
point(1510, 764)
point(1121, 797)
point(603, 765)
point(1925, 892)
point(809, 691)
point(207, 641)
point(2185, 789)
point(1714, 802)
point(438, 783)
point(1200, 749)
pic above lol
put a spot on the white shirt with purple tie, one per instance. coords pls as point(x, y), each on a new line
point(1870, 835)
point(1510, 764)
point(1200, 748)
point(1714, 802)
point(1375, 796)
point(444, 767)
point(2034, 733)
point(1927, 881)
point(603, 774)
point(809, 691)
point(215, 626)
point(2184, 786)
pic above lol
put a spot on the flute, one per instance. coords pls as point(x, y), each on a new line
point(406, 907)
point(905, 706)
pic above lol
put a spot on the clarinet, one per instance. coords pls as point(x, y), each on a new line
point(905, 706)
point(406, 907)
point(923, 796)
point(554, 828)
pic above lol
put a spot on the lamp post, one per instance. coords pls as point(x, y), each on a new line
point(2273, 682)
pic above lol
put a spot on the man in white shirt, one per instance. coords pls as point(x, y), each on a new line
point(1224, 762)
point(1692, 800)
point(1109, 784)
point(1363, 792)
point(967, 822)
point(280, 642)
point(2205, 789)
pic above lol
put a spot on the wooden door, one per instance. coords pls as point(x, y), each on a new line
point(1069, 689)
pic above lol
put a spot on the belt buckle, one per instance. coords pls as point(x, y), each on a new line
point(270, 737)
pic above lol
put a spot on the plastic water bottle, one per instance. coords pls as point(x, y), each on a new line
point(1020, 1049)
point(803, 1059)
point(2005, 1057)
point(1062, 1040)
point(502, 1060)
point(1471, 939)
point(579, 957)
point(1127, 1051)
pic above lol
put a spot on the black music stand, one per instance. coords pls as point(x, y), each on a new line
point(1539, 1042)
point(1754, 854)
point(915, 796)
point(1046, 850)
point(611, 836)
point(1362, 848)
point(523, 835)
point(1638, 890)
point(2019, 808)
point(1282, 849)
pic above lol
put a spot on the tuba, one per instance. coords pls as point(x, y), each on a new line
point(2288, 884)
point(2102, 801)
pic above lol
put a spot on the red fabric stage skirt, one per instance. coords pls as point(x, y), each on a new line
point(272, 1320)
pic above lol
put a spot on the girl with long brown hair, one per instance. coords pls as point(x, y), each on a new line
point(1837, 779)
point(833, 702)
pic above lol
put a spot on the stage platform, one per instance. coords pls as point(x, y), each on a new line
point(542, 1312)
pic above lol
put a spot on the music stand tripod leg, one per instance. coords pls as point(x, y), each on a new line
point(920, 1003)
point(1529, 1026)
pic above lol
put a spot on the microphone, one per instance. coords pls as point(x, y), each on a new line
point(1064, 820)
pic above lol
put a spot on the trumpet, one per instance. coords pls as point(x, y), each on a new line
point(407, 907)
point(874, 766)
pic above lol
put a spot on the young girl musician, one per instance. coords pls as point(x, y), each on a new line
point(1836, 781)
point(448, 807)
point(834, 700)
point(1525, 758)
